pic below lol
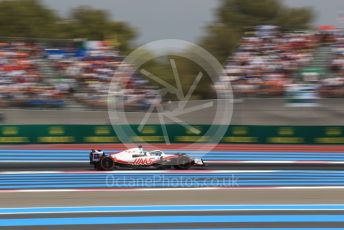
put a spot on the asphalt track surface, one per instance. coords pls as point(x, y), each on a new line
point(10, 167)
point(311, 182)
point(75, 157)
point(95, 180)
point(224, 156)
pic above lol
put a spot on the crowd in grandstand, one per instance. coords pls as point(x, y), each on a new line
point(269, 61)
point(266, 62)
point(80, 76)
point(94, 73)
point(338, 61)
point(334, 86)
point(21, 82)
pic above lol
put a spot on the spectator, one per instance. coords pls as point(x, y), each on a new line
point(263, 63)
point(21, 83)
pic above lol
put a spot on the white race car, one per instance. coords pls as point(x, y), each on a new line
point(138, 158)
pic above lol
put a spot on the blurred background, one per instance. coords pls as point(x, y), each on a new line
point(284, 59)
point(281, 143)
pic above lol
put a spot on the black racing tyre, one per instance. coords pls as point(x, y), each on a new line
point(107, 164)
point(183, 163)
point(97, 166)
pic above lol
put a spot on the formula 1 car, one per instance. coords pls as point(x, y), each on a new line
point(138, 158)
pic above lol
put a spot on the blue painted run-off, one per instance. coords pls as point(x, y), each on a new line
point(172, 219)
point(170, 179)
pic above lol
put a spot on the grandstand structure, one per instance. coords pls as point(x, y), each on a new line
point(40, 74)
point(270, 61)
point(75, 75)
point(22, 83)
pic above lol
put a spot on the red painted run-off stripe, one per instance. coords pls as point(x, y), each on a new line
point(219, 147)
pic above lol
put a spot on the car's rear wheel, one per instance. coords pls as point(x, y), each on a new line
point(183, 163)
point(107, 164)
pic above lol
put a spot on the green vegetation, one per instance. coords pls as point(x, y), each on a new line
point(235, 17)
point(187, 72)
point(32, 19)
